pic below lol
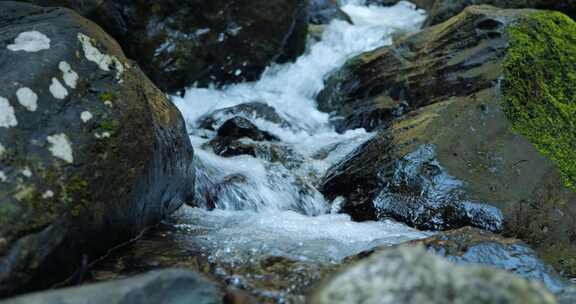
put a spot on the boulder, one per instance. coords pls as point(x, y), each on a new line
point(324, 11)
point(252, 110)
point(411, 275)
point(169, 286)
point(487, 101)
point(91, 152)
point(443, 10)
point(181, 43)
point(475, 246)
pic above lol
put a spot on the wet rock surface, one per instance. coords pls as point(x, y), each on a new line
point(460, 88)
point(263, 280)
point(324, 11)
point(475, 246)
point(410, 275)
point(91, 152)
point(251, 110)
point(443, 10)
point(180, 43)
point(170, 286)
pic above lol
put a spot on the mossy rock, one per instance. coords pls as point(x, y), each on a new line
point(492, 91)
point(442, 10)
point(78, 175)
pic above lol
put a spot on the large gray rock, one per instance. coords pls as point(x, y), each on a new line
point(473, 110)
point(91, 152)
point(413, 276)
point(170, 286)
point(179, 43)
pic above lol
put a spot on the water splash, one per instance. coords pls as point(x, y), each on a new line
point(262, 208)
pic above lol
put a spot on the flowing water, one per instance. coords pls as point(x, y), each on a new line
point(263, 208)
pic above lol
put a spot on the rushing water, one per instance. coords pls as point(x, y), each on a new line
point(264, 208)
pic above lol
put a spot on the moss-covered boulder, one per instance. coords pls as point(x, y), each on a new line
point(181, 43)
point(491, 93)
point(411, 275)
point(442, 10)
point(91, 152)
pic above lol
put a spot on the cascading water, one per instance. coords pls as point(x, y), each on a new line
point(263, 208)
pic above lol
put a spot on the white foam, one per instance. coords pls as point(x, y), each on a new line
point(260, 207)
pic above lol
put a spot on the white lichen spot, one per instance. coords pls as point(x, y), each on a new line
point(104, 61)
point(2, 150)
point(70, 77)
point(86, 116)
point(27, 172)
point(27, 98)
point(48, 194)
point(61, 147)
point(108, 103)
point(3, 177)
point(102, 135)
point(57, 89)
point(32, 41)
point(7, 115)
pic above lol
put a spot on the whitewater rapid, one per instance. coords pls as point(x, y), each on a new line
point(267, 213)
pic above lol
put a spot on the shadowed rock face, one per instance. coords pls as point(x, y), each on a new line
point(489, 91)
point(324, 11)
point(410, 275)
point(180, 43)
point(91, 152)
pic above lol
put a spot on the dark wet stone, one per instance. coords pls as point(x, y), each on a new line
point(240, 127)
point(92, 152)
point(324, 11)
point(251, 110)
point(169, 286)
point(420, 193)
point(181, 43)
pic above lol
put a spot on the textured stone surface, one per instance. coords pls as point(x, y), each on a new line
point(488, 90)
point(92, 152)
point(410, 275)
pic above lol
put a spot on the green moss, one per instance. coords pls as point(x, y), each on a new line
point(107, 96)
point(109, 126)
point(539, 87)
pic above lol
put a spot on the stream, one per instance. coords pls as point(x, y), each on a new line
point(265, 209)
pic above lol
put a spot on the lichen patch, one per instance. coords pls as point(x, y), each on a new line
point(61, 147)
point(104, 61)
point(57, 89)
point(86, 116)
point(70, 76)
point(7, 115)
point(27, 98)
point(48, 194)
point(3, 177)
point(102, 135)
point(27, 172)
point(2, 150)
point(32, 41)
